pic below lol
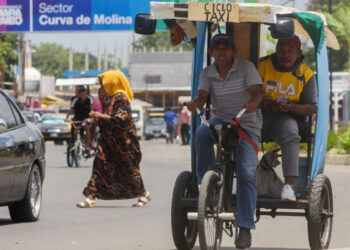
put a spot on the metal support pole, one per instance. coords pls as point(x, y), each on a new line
point(331, 75)
point(21, 63)
point(207, 114)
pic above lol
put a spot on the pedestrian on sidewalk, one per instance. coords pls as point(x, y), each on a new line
point(116, 171)
point(169, 118)
point(185, 122)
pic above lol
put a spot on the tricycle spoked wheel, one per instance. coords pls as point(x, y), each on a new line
point(70, 156)
point(320, 213)
point(184, 231)
point(78, 152)
point(209, 225)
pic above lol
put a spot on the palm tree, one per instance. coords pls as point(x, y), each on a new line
point(339, 21)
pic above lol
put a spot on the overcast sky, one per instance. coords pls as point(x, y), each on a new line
point(111, 39)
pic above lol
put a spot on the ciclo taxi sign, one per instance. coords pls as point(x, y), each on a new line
point(213, 12)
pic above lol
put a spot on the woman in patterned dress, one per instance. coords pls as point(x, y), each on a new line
point(116, 171)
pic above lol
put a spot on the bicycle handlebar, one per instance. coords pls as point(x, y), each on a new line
point(82, 123)
point(205, 122)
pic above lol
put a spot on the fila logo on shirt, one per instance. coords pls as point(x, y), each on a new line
point(277, 88)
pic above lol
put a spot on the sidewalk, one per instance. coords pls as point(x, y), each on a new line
point(338, 159)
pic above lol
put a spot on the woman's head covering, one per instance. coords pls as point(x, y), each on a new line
point(115, 82)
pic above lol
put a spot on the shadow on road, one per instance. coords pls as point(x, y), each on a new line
point(255, 248)
point(4, 222)
point(112, 207)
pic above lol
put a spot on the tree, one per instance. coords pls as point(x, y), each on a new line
point(8, 56)
point(158, 41)
point(79, 61)
point(53, 59)
point(324, 4)
point(50, 59)
point(338, 23)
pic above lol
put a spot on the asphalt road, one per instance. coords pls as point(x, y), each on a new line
point(116, 225)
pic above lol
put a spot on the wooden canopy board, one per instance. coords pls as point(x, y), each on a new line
point(234, 13)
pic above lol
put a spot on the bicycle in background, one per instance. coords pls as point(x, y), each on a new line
point(78, 149)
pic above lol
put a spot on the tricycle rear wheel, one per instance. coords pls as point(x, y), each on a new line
point(320, 213)
point(184, 231)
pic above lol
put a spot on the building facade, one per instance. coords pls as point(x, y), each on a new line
point(161, 77)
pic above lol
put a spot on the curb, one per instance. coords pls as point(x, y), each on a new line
point(338, 159)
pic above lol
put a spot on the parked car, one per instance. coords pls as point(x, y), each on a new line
point(42, 111)
point(31, 116)
point(22, 163)
point(54, 128)
point(155, 128)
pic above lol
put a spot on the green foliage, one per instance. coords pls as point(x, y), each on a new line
point(338, 22)
point(8, 56)
point(333, 140)
point(339, 143)
point(50, 59)
point(53, 59)
point(159, 41)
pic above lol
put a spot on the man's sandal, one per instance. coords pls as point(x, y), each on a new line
point(143, 200)
point(88, 203)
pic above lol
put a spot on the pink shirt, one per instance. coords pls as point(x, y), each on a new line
point(97, 106)
point(185, 116)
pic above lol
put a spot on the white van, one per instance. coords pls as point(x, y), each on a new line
point(138, 117)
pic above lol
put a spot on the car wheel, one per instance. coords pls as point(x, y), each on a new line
point(29, 208)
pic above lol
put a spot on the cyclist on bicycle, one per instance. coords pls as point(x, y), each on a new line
point(81, 106)
point(232, 84)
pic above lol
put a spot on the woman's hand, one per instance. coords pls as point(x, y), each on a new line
point(95, 114)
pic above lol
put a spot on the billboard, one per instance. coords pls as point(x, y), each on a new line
point(69, 15)
point(77, 15)
point(14, 15)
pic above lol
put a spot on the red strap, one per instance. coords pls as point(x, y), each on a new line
point(243, 135)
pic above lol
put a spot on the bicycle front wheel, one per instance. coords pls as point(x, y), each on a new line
point(209, 225)
point(78, 152)
point(70, 156)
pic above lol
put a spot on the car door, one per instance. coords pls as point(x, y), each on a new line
point(23, 154)
point(7, 146)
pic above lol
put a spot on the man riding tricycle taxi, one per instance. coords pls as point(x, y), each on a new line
point(289, 94)
point(232, 85)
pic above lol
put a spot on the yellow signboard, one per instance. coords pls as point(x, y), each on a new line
point(213, 12)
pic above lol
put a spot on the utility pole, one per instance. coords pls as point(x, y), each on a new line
point(105, 58)
point(86, 59)
point(98, 56)
point(21, 62)
point(70, 62)
point(115, 57)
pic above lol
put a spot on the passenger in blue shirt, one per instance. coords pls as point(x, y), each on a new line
point(169, 118)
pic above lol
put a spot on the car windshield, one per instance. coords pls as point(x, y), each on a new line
point(29, 116)
point(156, 122)
point(53, 119)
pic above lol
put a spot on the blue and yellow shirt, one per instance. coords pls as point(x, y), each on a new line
point(285, 84)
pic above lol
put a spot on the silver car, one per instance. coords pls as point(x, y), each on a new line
point(155, 128)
